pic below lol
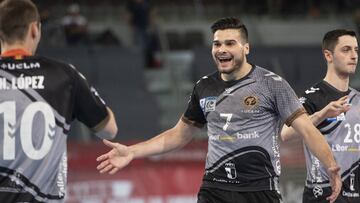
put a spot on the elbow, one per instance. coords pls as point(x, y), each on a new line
point(108, 133)
point(283, 138)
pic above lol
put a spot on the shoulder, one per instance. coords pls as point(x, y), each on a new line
point(312, 94)
point(262, 74)
point(355, 91)
point(207, 80)
point(58, 66)
point(268, 79)
point(314, 91)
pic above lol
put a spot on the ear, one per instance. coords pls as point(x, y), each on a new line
point(246, 48)
point(328, 55)
point(34, 30)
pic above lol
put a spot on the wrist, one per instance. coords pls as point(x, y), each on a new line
point(318, 117)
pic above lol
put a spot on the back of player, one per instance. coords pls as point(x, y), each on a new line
point(39, 98)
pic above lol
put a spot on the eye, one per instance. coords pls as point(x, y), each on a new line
point(230, 43)
point(216, 44)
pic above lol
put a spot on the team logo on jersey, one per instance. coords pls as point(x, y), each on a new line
point(311, 90)
point(273, 76)
point(352, 181)
point(318, 191)
point(208, 104)
point(230, 170)
point(250, 101)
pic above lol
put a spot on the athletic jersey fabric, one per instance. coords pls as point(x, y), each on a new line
point(243, 120)
point(343, 135)
point(39, 97)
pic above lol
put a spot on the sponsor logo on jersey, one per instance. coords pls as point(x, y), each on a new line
point(230, 170)
point(19, 66)
point(318, 191)
point(250, 101)
point(344, 148)
point(340, 117)
point(236, 136)
point(208, 104)
point(249, 105)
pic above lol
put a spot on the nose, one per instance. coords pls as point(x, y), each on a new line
point(354, 54)
point(221, 49)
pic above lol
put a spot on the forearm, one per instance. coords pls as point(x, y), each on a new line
point(167, 141)
point(314, 140)
point(318, 145)
point(289, 132)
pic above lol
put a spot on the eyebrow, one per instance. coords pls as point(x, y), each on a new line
point(227, 40)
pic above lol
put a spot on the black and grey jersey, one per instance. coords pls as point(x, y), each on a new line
point(341, 132)
point(243, 120)
point(39, 98)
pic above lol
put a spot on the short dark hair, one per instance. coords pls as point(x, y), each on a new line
point(331, 38)
point(231, 23)
point(15, 18)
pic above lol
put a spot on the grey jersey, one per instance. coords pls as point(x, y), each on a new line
point(39, 98)
point(343, 135)
point(243, 120)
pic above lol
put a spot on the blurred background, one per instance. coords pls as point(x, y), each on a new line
point(144, 58)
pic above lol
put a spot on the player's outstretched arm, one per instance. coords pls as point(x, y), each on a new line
point(120, 155)
point(110, 129)
point(331, 110)
point(317, 144)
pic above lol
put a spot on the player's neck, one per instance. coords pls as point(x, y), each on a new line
point(338, 81)
point(238, 74)
point(16, 46)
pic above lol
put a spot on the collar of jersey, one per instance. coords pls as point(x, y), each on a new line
point(16, 53)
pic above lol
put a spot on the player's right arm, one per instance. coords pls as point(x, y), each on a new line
point(107, 129)
point(318, 146)
point(120, 155)
point(333, 109)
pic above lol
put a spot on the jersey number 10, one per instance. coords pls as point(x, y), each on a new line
point(25, 128)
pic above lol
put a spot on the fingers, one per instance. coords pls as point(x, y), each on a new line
point(109, 144)
point(335, 192)
point(107, 168)
point(336, 183)
point(103, 165)
point(102, 157)
point(113, 171)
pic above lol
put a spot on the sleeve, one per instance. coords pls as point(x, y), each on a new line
point(89, 108)
point(286, 102)
point(194, 114)
point(308, 104)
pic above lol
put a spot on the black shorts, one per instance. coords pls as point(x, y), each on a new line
point(319, 195)
point(213, 195)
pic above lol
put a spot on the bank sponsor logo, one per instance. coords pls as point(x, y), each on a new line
point(236, 136)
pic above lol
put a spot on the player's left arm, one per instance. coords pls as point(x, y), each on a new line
point(318, 145)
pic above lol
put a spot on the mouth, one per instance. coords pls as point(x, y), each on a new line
point(224, 59)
